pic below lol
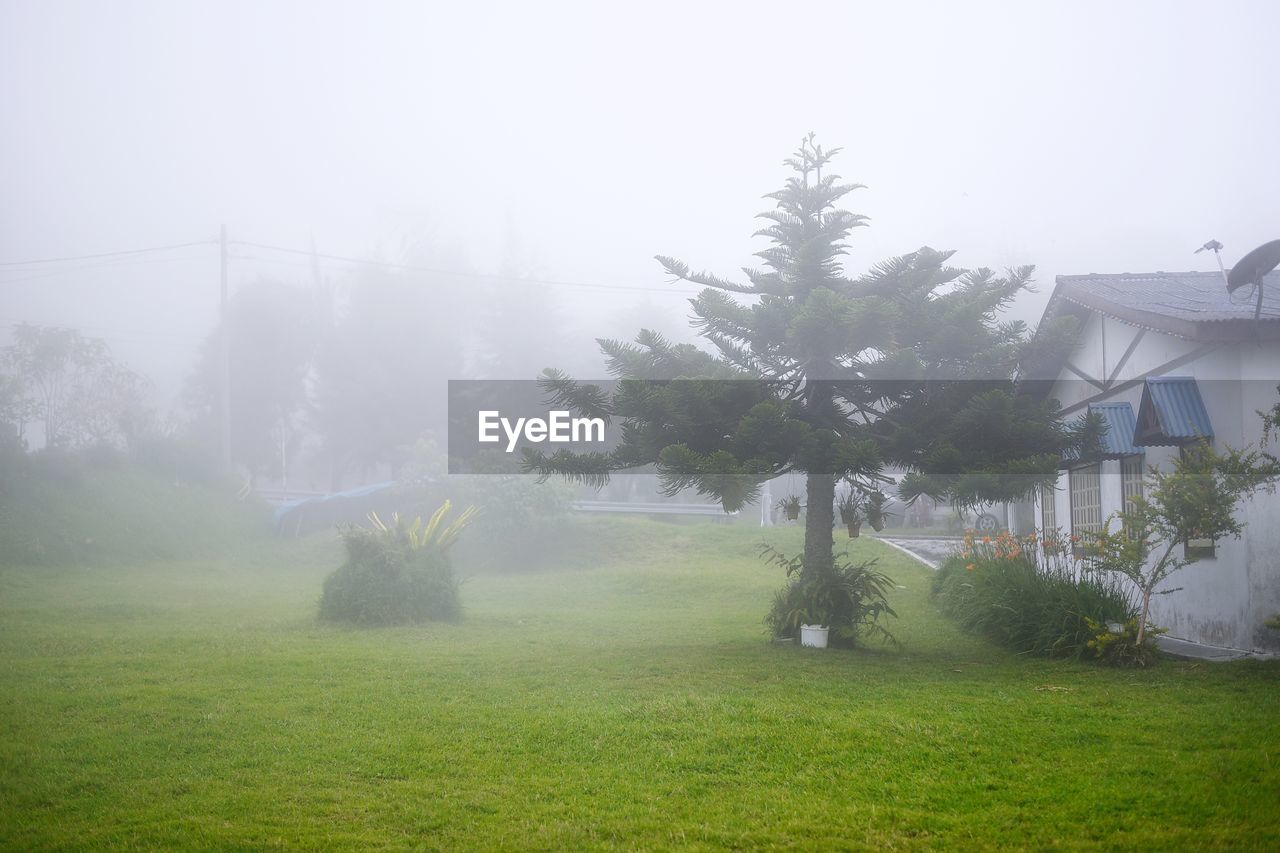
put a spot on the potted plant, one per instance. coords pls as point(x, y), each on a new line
point(790, 506)
point(877, 510)
point(851, 512)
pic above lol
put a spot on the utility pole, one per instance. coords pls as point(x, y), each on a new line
point(224, 344)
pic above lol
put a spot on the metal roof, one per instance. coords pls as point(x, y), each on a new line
point(1171, 412)
point(1121, 426)
point(1192, 305)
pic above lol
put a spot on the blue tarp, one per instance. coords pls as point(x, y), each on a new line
point(362, 491)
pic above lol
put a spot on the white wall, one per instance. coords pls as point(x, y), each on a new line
point(1222, 600)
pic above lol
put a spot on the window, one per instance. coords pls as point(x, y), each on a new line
point(1130, 482)
point(1130, 478)
point(1086, 501)
point(1048, 511)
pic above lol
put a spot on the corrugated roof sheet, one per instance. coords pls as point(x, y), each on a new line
point(1121, 425)
point(1195, 296)
point(1171, 412)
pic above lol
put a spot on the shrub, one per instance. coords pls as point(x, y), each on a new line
point(1124, 647)
point(849, 599)
point(1027, 595)
point(395, 574)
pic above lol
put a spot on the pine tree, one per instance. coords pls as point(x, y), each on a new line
point(836, 377)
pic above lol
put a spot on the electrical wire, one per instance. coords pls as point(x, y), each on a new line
point(438, 271)
point(53, 273)
point(108, 254)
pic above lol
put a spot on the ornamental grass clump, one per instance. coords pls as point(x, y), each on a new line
point(1028, 594)
point(397, 573)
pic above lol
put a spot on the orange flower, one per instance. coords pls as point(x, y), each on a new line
point(970, 566)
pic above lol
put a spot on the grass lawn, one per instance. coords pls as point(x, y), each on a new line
point(625, 696)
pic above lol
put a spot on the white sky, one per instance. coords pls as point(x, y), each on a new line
point(1079, 136)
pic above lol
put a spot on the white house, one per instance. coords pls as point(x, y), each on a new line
point(1164, 358)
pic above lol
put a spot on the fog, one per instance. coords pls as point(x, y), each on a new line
point(572, 142)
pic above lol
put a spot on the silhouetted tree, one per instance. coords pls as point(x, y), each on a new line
point(274, 331)
point(382, 371)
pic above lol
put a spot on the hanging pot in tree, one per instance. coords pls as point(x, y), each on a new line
point(790, 507)
point(855, 527)
point(876, 515)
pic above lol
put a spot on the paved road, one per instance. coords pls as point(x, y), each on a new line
point(929, 551)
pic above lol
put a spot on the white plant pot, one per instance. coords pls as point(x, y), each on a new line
point(814, 636)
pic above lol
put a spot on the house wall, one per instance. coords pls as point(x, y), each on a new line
point(1223, 600)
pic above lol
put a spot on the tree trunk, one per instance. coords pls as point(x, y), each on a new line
point(1142, 620)
point(819, 521)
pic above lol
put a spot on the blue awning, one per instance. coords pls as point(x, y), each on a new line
point(1121, 425)
point(1116, 443)
point(1171, 412)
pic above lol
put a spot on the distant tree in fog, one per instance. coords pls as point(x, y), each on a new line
point(275, 329)
point(382, 371)
point(71, 385)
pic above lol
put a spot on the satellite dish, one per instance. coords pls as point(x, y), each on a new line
point(1252, 267)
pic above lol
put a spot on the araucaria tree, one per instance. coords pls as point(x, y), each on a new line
point(834, 376)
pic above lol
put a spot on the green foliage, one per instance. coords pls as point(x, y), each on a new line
point(101, 507)
point(830, 375)
point(790, 506)
point(396, 573)
point(1031, 604)
point(1195, 500)
point(1128, 646)
point(878, 510)
point(849, 599)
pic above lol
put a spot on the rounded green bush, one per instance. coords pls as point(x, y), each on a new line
point(385, 581)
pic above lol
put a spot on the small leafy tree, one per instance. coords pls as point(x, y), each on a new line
point(1195, 500)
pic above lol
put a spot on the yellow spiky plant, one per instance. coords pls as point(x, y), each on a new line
point(430, 535)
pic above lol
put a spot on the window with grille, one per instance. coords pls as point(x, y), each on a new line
point(1048, 511)
point(1086, 502)
point(1130, 478)
point(1130, 483)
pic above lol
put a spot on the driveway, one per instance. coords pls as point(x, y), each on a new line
point(930, 550)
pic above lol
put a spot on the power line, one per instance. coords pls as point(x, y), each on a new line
point(129, 335)
point(53, 273)
point(108, 254)
point(439, 271)
point(14, 265)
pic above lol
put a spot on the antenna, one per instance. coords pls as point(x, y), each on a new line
point(1216, 247)
point(1251, 269)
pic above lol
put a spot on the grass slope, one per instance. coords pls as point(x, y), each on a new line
point(625, 697)
point(104, 509)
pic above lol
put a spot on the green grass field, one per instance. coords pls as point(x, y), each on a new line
point(623, 695)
